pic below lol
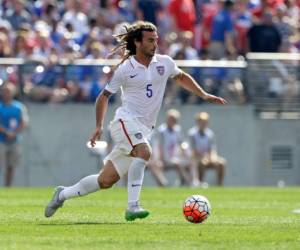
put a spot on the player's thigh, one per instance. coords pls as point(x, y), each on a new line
point(119, 161)
point(129, 135)
point(142, 150)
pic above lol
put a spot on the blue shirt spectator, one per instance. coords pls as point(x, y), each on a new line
point(12, 116)
point(222, 23)
point(10, 119)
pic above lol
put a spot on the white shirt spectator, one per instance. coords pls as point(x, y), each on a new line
point(204, 142)
point(170, 141)
point(78, 20)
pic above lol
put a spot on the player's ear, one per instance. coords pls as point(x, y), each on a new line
point(137, 43)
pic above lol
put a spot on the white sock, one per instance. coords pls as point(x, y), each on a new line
point(135, 180)
point(85, 186)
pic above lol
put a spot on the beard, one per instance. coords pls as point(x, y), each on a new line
point(149, 53)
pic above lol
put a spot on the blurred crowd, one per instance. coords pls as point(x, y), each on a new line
point(46, 31)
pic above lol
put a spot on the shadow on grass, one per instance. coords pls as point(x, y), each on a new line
point(80, 223)
point(110, 223)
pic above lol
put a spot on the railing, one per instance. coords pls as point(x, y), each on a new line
point(274, 84)
point(270, 81)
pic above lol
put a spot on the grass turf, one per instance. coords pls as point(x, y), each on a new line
point(242, 218)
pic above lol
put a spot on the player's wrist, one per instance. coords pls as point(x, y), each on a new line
point(205, 96)
point(99, 127)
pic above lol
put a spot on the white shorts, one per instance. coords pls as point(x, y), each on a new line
point(126, 134)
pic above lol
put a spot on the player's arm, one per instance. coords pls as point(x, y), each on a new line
point(101, 108)
point(102, 103)
point(188, 82)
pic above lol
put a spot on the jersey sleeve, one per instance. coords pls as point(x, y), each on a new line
point(173, 69)
point(115, 83)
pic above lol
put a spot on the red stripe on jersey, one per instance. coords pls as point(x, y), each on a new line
point(125, 131)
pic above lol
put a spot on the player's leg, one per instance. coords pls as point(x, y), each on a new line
point(141, 154)
point(89, 184)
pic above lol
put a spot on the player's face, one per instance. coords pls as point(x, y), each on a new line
point(148, 45)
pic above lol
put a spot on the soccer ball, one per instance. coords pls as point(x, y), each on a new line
point(196, 208)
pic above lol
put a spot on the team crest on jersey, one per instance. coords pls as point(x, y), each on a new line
point(160, 70)
point(138, 136)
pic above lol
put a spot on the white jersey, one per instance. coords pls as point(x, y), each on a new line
point(202, 143)
point(142, 88)
point(170, 141)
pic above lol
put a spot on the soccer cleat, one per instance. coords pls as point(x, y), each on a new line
point(55, 203)
point(136, 212)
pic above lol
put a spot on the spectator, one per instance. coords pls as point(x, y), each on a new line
point(18, 15)
point(5, 49)
point(13, 120)
point(222, 40)
point(204, 150)
point(264, 37)
point(243, 22)
point(284, 27)
point(170, 151)
point(148, 10)
point(183, 13)
point(184, 46)
point(76, 18)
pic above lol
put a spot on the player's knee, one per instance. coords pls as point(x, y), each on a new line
point(143, 151)
point(104, 183)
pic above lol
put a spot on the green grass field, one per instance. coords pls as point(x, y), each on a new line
point(242, 218)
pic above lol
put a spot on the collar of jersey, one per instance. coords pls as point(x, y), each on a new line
point(136, 64)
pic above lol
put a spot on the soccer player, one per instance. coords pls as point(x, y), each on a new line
point(141, 76)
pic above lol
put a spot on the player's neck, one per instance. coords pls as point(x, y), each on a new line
point(142, 59)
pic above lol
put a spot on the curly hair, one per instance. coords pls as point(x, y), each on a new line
point(133, 33)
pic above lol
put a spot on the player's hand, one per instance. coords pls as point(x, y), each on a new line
point(96, 136)
point(215, 99)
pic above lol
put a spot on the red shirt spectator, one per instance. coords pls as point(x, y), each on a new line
point(208, 10)
point(183, 12)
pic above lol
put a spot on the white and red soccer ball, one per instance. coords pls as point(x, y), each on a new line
point(196, 208)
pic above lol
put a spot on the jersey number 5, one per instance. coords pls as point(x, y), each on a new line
point(149, 92)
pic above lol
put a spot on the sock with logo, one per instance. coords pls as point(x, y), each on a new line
point(135, 180)
point(88, 184)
